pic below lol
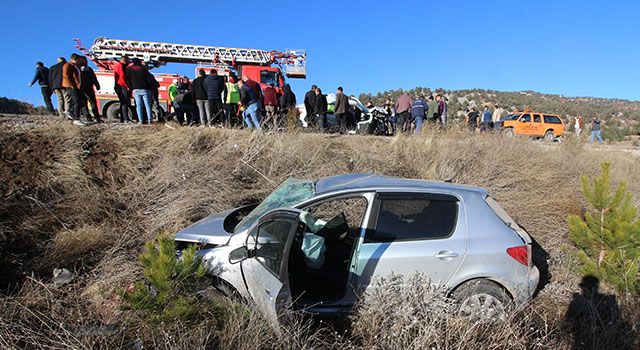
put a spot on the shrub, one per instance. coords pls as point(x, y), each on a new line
point(168, 292)
point(608, 238)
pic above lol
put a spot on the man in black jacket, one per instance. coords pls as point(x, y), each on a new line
point(88, 81)
point(201, 97)
point(55, 83)
point(321, 109)
point(42, 77)
point(216, 93)
point(310, 103)
point(141, 82)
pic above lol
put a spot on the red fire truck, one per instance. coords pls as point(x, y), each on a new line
point(265, 67)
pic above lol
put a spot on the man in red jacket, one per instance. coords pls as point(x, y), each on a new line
point(271, 104)
point(122, 88)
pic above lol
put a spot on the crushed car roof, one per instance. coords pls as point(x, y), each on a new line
point(369, 181)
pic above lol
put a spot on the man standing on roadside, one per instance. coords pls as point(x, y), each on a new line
point(579, 125)
point(271, 105)
point(495, 118)
point(310, 103)
point(42, 77)
point(596, 130)
point(418, 111)
point(141, 82)
point(403, 109)
point(231, 103)
point(122, 89)
point(249, 99)
point(55, 79)
point(321, 109)
point(341, 108)
point(442, 109)
point(71, 82)
point(89, 82)
point(216, 93)
point(486, 119)
point(432, 107)
point(201, 97)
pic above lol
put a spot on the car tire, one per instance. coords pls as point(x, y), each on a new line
point(549, 136)
point(508, 132)
point(482, 300)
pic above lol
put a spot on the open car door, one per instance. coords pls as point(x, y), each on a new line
point(265, 271)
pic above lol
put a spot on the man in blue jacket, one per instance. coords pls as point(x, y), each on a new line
point(419, 109)
point(249, 101)
point(42, 77)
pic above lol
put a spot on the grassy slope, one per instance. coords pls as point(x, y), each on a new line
point(88, 198)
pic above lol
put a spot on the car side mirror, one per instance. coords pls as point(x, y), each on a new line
point(239, 254)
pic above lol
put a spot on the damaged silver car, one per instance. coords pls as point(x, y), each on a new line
point(319, 245)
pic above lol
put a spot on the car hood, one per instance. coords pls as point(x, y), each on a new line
point(209, 230)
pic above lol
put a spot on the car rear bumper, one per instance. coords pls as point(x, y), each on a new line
point(534, 279)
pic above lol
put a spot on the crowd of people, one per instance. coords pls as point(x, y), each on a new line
point(74, 84)
point(210, 99)
point(218, 99)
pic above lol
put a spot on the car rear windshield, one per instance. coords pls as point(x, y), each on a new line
point(290, 193)
point(508, 220)
point(552, 119)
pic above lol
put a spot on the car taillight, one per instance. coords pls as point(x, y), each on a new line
point(521, 254)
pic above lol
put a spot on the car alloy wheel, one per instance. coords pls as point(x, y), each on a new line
point(483, 307)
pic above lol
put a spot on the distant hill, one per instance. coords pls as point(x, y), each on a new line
point(11, 106)
point(622, 117)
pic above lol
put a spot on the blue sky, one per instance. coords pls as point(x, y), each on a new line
point(575, 48)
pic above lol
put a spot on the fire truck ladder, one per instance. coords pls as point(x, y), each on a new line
point(159, 54)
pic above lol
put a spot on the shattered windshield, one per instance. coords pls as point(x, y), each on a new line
point(291, 192)
point(362, 107)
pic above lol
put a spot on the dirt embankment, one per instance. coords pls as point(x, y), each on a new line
point(86, 199)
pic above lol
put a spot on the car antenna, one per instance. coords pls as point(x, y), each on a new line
point(449, 180)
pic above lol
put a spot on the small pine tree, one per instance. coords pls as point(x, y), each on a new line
point(170, 282)
point(608, 237)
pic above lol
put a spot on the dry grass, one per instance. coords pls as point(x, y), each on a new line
point(88, 198)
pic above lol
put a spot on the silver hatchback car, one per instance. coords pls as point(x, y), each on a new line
point(320, 245)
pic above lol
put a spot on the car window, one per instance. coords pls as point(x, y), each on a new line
point(526, 118)
point(420, 216)
point(271, 239)
point(552, 119)
point(353, 208)
point(536, 118)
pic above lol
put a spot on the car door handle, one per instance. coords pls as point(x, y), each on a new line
point(269, 294)
point(446, 255)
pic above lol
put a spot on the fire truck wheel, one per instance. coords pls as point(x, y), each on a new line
point(113, 111)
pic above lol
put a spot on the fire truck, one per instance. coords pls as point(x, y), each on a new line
point(265, 67)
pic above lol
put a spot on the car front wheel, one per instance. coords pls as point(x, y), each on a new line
point(482, 300)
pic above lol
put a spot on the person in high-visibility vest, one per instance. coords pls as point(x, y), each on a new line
point(231, 103)
point(173, 92)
